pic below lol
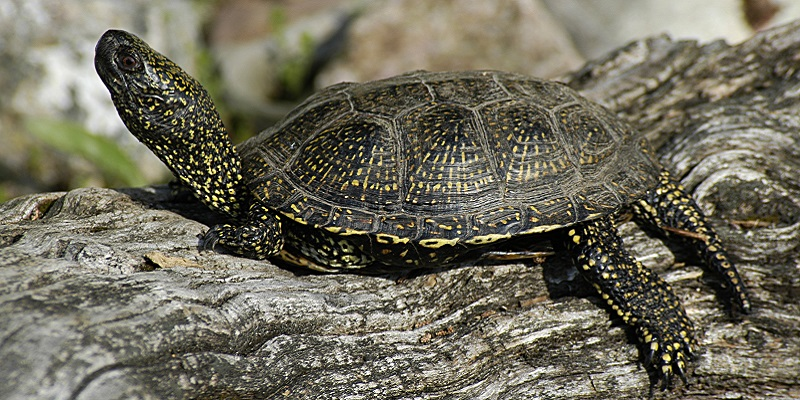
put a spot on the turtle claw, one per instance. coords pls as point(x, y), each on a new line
point(682, 375)
point(668, 362)
point(666, 380)
point(649, 356)
point(218, 237)
point(209, 240)
point(258, 241)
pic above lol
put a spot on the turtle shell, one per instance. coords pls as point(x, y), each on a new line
point(446, 158)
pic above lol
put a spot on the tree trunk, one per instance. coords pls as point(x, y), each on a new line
point(104, 294)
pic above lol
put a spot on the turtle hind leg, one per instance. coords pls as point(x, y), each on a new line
point(636, 294)
point(322, 251)
point(671, 211)
point(263, 235)
point(259, 237)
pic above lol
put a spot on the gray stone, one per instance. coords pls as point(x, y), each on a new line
point(391, 37)
point(47, 48)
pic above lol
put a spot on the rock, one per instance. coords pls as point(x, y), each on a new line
point(47, 51)
point(104, 294)
point(598, 27)
point(265, 50)
point(391, 37)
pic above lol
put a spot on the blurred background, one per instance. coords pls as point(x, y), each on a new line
point(259, 58)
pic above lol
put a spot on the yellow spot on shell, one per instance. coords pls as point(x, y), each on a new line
point(437, 243)
point(484, 239)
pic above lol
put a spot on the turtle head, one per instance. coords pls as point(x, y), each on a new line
point(153, 95)
point(170, 112)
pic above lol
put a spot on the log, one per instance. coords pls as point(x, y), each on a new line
point(104, 293)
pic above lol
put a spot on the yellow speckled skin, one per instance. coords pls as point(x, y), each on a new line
point(171, 113)
point(427, 169)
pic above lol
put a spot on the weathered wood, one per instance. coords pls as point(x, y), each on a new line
point(103, 293)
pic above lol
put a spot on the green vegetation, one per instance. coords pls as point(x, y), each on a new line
point(116, 167)
point(293, 71)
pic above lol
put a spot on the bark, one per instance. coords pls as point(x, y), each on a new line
point(104, 294)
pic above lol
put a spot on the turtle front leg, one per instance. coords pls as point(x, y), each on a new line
point(259, 237)
point(671, 211)
point(636, 294)
point(262, 236)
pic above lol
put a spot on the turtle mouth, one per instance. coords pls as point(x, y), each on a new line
point(125, 86)
point(107, 70)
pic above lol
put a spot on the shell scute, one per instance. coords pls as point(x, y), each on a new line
point(438, 158)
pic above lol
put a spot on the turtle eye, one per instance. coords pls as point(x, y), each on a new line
point(127, 62)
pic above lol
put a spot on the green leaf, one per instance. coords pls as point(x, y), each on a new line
point(72, 138)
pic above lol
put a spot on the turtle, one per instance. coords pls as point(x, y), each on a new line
point(429, 169)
